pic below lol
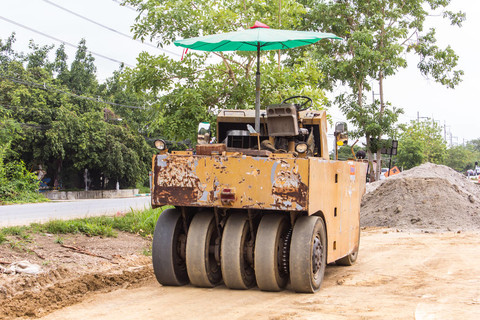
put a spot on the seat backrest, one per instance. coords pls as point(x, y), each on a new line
point(282, 120)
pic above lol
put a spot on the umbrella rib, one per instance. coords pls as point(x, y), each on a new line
point(206, 44)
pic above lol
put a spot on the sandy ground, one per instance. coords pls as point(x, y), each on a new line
point(398, 275)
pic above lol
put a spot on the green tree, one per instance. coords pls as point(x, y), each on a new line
point(82, 71)
point(461, 158)
point(16, 182)
point(421, 142)
point(7, 53)
point(377, 36)
point(193, 90)
point(410, 152)
point(139, 115)
point(38, 56)
point(474, 145)
point(64, 133)
point(345, 152)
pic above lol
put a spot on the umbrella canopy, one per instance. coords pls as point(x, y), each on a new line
point(260, 35)
point(258, 38)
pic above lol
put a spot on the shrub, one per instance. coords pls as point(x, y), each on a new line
point(17, 184)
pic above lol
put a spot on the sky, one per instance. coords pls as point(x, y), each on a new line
point(455, 109)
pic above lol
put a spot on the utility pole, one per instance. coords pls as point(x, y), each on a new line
point(418, 117)
point(373, 96)
point(445, 130)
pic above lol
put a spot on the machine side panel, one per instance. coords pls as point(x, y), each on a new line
point(336, 189)
point(231, 182)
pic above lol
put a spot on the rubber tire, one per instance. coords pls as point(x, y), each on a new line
point(269, 240)
point(348, 260)
point(302, 278)
point(351, 258)
point(169, 268)
point(202, 267)
point(237, 273)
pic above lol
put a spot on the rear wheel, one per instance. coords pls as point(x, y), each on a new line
point(168, 249)
point(308, 254)
point(269, 252)
point(350, 259)
point(237, 271)
point(201, 251)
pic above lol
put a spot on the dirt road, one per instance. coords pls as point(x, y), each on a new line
point(398, 276)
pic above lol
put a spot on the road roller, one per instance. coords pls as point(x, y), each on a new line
point(261, 208)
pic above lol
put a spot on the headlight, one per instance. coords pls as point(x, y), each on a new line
point(160, 144)
point(301, 148)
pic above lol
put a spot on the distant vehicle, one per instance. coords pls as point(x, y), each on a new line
point(473, 172)
point(383, 173)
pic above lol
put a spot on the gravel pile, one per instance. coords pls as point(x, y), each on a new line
point(427, 197)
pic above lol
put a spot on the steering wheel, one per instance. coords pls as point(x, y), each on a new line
point(300, 106)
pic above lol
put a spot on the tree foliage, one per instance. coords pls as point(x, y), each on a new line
point(345, 152)
point(474, 145)
point(15, 180)
point(420, 142)
point(194, 89)
point(377, 36)
point(63, 128)
point(461, 158)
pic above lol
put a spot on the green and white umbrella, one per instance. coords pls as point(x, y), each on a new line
point(258, 38)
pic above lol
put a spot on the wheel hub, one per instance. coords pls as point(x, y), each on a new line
point(317, 255)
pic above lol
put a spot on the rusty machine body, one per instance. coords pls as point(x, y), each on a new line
point(258, 208)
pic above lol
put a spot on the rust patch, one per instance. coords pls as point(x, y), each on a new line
point(213, 194)
point(176, 195)
point(288, 190)
point(292, 194)
point(176, 182)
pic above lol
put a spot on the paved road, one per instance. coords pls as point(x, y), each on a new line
point(23, 214)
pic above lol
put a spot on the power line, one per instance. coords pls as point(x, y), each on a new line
point(48, 87)
point(65, 42)
point(125, 5)
point(108, 28)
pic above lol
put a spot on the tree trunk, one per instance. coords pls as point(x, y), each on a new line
point(382, 101)
point(56, 181)
point(380, 116)
point(369, 151)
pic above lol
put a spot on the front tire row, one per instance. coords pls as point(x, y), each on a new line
point(241, 258)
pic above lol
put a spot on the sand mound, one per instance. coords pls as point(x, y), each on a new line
point(427, 197)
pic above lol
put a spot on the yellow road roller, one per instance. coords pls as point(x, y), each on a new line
point(266, 209)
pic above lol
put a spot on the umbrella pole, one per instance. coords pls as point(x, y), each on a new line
point(257, 92)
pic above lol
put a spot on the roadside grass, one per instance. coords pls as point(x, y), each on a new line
point(88, 226)
point(19, 231)
point(28, 197)
point(140, 222)
point(3, 237)
point(143, 189)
